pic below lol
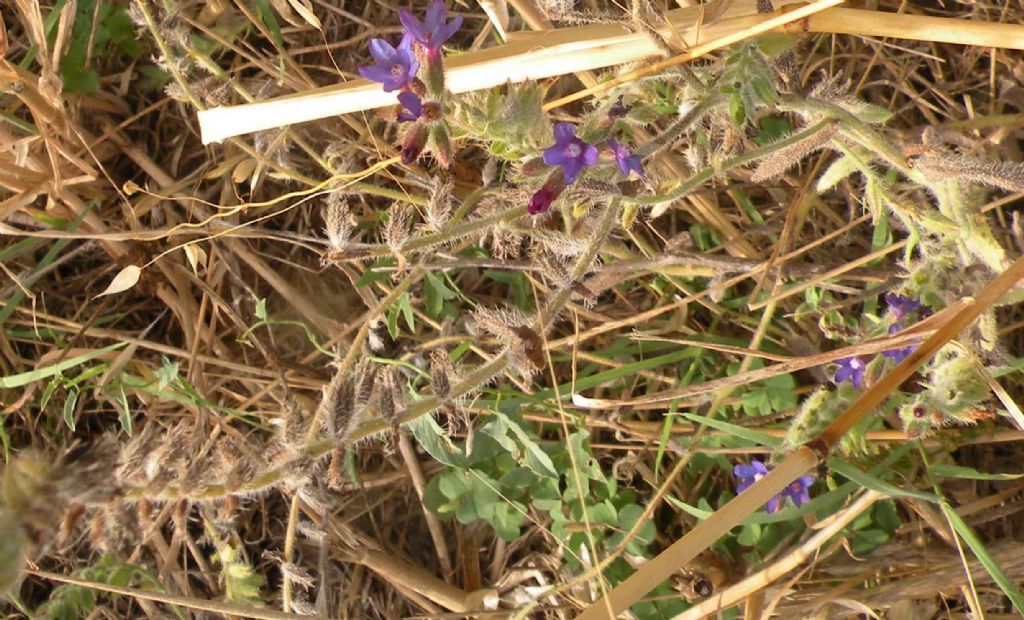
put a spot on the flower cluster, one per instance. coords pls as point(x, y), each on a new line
point(396, 69)
point(573, 155)
point(852, 369)
point(798, 490)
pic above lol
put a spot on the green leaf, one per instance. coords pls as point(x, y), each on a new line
point(405, 303)
point(737, 111)
point(18, 380)
point(518, 285)
point(507, 519)
point(585, 461)
point(756, 437)
point(978, 548)
point(261, 309)
point(968, 473)
point(773, 44)
point(871, 482)
point(520, 477)
point(429, 434)
point(603, 513)
point(750, 533)
point(125, 413)
point(376, 272)
point(865, 541)
point(536, 459)
point(433, 498)
point(437, 292)
point(69, 408)
point(628, 517)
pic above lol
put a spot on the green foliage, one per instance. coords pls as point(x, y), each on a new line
point(68, 602)
point(506, 471)
point(511, 119)
point(105, 26)
point(748, 81)
point(241, 581)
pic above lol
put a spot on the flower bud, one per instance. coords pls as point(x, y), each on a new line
point(542, 199)
point(414, 141)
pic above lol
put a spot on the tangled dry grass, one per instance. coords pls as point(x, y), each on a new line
point(216, 360)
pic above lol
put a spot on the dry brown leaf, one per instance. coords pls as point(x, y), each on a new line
point(124, 280)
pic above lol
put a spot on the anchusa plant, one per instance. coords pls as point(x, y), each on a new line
point(422, 101)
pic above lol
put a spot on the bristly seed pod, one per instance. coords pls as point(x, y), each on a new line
point(396, 233)
point(439, 207)
point(366, 377)
point(335, 471)
point(777, 163)
point(337, 221)
point(440, 373)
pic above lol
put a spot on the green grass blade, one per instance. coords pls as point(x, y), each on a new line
point(978, 549)
point(46, 372)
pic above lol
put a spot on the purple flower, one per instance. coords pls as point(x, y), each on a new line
point(414, 141)
point(625, 159)
point(900, 305)
point(569, 152)
point(898, 355)
point(541, 201)
point(851, 368)
point(412, 107)
point(747, 475)
point(394, 67)
point(432, 32)
point(799, 490)
point(618, 110)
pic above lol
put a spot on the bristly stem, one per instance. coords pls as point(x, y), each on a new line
point(318, 448)
point(707, 173)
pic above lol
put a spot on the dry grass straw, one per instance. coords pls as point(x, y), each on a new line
point(579, 49)
point(957, 318)
point(531, 57)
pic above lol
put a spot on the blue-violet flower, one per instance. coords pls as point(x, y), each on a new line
point(851, 368)
point(799, 490)
point(412, 106)
point(433, 31)
point(747, 475)
point(394, 67)
point(618, 109)
point(901, 305)
point(898, 355)
point(625, 159)
point(569, 152)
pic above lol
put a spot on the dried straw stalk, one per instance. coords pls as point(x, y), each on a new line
point(528, 56)
point(534, 56)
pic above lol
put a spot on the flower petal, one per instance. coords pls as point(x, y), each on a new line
point(436, 14)
point(446, 32)
point(381, 51)
point(374, 73)
point(564, 132)
point(590, 154)
point(571, 170)
point(744, 471)
point(555, 156)
point(413, 27)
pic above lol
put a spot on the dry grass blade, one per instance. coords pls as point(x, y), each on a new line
point(219, 607)
point(531, 57)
